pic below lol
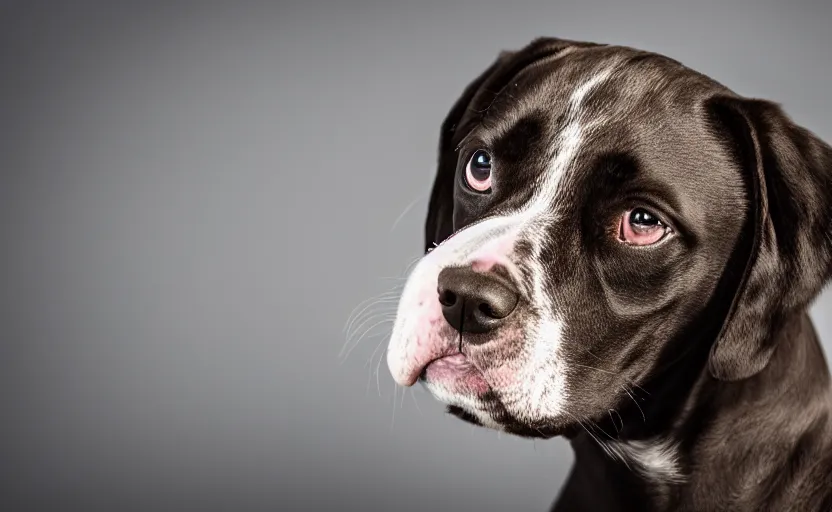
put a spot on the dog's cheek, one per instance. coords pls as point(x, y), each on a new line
point(640, 282)
point(594, 341)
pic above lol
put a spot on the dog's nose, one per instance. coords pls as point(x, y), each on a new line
point(475, 302)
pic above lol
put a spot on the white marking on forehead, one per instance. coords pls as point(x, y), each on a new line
point(569, 140)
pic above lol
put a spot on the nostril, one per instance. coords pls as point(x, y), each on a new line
point(486, 309)
point(447, 298)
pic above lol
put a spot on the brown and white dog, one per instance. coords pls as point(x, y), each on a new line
point(622, 251)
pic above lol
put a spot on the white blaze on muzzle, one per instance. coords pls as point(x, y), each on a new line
point(420, 333)
point(536, 386)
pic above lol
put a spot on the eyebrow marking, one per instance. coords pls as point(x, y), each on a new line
point(571, 137)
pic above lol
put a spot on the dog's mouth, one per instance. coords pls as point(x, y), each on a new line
point(455, 380)
point(456, 373)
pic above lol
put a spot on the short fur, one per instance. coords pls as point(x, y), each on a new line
point(687, 376)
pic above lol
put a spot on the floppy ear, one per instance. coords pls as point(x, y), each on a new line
point(788, 173)
point(468, 110)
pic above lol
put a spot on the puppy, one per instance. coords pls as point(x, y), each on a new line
point(621, 251)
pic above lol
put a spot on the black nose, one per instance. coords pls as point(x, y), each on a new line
point(473, 301)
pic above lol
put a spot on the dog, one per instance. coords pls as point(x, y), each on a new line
point(621, 251)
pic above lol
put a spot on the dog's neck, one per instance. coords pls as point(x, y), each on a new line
point(715, 446)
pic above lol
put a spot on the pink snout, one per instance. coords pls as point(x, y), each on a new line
point(452, 299)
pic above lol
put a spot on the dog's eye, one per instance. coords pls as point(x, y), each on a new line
point(640, 227)
point(478, 171)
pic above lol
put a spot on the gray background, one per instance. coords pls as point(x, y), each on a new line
point(195, 197)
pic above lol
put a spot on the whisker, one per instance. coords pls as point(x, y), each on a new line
point(378, 369)
point(369, 366)
point(407, 209)
point(384, 300)
point(614, 424)
point(631, 383)
point(407, 272)
point(365, 333)
point(395, 395)
point(598, 441)
point(354, 314)
point(415, 402)
point(410, 266)
point(369, 362)
point(593, 368)
point(385, 310)
point(353, 340)
point(635, 402)
point(598, 427)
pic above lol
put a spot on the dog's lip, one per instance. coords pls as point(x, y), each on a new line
point(457, 373)
point(455, 358)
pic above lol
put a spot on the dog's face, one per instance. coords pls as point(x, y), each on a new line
point(586, 208)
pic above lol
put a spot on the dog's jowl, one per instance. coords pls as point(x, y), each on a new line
point(621, 251)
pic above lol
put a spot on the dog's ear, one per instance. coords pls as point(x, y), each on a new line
point(788, 235)
point(468, 110)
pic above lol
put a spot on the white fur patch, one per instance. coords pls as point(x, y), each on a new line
point(544, 376)
point(570, 140)
point(419, 308)
point(540, 392)
point(549, 393)
point(656, 460)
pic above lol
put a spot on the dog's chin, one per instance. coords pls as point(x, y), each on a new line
point(512, 426)
point(457, 383)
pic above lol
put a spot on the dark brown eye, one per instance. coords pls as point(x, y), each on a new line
point(640, 227)
point(478, 171)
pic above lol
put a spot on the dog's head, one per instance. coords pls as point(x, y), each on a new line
point(597, 213)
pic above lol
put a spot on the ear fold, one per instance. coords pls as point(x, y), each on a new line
point(469, 109)
point(788, 172)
